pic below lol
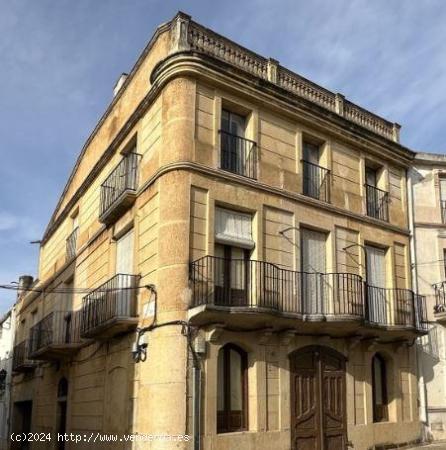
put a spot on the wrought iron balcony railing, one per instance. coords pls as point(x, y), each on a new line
point(21, 361)
point(118, 191)
point(377, 203)
point(71, 244)
point(111, 308)
point(316, 181)
point(255, 284)
point(56, 335)
point(238, 155)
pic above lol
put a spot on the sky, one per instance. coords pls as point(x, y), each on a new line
point(59, 61)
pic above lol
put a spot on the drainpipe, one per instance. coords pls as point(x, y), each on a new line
point(196, 405)
point(423, 414)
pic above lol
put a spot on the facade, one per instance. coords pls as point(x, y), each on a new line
point(7, 324)
point(429, 198)
point(230, 259)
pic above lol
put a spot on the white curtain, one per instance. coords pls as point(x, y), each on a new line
point(233, 228)
point(313, 251)
point(376, 266)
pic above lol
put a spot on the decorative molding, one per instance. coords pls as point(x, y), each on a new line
point(179, 41)
point(266, 336)
point(215, 334)
point(287, 337)
point(204, 40)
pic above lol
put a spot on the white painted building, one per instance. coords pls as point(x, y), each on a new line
point(7, 325)
point(428, 179)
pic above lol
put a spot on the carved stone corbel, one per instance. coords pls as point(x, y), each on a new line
point(287, 336)
point(213, 336)
point(265, 337)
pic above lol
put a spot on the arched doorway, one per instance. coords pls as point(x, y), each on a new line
point(318, 399)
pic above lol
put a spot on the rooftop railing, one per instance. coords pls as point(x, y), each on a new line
point(202, 40)
point(256, 284)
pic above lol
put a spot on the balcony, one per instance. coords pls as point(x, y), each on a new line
point(316, 181)
point(118, 191)
point(56, 336)
point(238, 155)
point(440, 302)
point(253, 294)
point(377, 203)
point(20, 358)
point(71, 244)
point(111, 308)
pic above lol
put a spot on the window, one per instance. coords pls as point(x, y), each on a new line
point(376, 199)
point(238, 154)
point(313, 264)
point(124, 253)
point(379, 389)
point(62, 398)
point(376, 285)
point(442, 180)
point(233, 244)
point(444, 263)
point(315, 178)
point(232, 389)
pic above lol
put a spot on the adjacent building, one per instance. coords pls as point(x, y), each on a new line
point(428, 179)
point(229, 260)
point(7, 328)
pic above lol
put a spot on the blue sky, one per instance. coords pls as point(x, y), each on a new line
point(59, 61)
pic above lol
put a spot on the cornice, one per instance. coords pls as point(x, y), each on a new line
point(215, 71)
point(254, 184)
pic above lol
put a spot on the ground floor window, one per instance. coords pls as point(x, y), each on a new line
point(232, 389)
point(379, 389)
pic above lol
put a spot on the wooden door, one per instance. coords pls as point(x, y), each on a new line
point(318, 400)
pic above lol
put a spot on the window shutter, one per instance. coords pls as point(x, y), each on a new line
point(124, 254)
point(233, 228)
point(313, 251)
point(376, 266)
point(443, 189)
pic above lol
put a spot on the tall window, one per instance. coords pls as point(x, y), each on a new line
point(232, 389)
point(443, 198)
point(238, 154)
point(376, 284)
point(313, 266)
point(124, 253)
point(379, 389)
point(62, 398)
point(233, 236)
point(315, 178)
point(377, 199)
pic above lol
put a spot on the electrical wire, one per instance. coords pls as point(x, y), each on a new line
point(63, 290)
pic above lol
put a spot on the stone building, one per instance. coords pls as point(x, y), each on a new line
point(229, 259)
point(428, 179)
